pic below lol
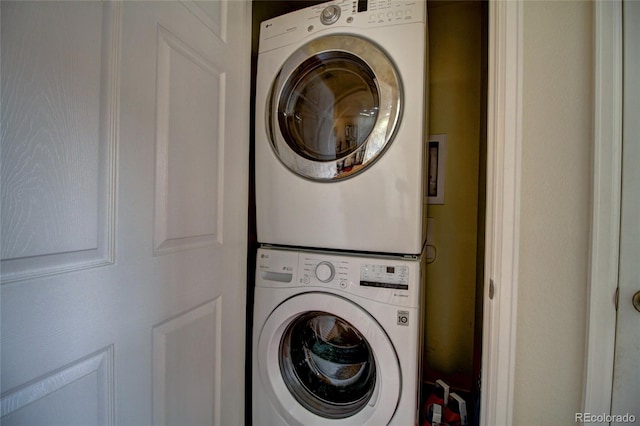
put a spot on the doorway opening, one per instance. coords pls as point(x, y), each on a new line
point(458, 58)
point(458, 63)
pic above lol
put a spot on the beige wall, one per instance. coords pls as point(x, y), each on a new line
point(555, 211)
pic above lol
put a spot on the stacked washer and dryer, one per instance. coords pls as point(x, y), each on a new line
point(340, 189)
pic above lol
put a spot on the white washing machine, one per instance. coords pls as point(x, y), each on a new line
point(341, 107)
point(336, 339)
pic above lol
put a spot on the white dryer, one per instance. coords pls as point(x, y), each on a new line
point(336, 339)
point(341, 109)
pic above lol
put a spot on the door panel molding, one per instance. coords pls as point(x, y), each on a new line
point(100, 365)
point(185, 382)
point(188, 216)
point(75, 224)
point(213, 17)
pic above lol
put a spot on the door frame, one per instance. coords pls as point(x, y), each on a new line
point(605, 228)
point(504, 138)
point(504, 141)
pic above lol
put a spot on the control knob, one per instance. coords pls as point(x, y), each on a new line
point(330, 14)
point(325, 272)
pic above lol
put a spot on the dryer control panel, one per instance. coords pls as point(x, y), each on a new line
point(395, 280)
point(341, 15)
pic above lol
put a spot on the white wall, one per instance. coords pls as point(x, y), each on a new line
point(555, 206)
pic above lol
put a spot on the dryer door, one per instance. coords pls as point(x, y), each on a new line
point(324, 359)
point(334, 107)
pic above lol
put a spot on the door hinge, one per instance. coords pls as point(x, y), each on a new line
point(616, 298)
point(491, 289)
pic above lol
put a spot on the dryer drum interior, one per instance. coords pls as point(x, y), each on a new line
point(327, 365)
point(334, 107)
point(329, 106)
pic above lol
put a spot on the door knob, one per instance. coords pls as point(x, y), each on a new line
point(636, 301)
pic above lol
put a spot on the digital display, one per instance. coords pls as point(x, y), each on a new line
point(384, 285)
point(385, 276)
point(362, 5)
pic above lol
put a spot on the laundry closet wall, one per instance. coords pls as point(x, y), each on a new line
point(457, 92)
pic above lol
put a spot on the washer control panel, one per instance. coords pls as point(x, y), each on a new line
point(320, 270)
point(385, 276)
point(394, 280)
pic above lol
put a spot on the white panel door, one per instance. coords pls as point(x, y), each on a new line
point(124, 176)
point(626, 385)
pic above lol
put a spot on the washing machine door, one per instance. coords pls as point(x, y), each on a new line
point(334, 107)
point(325, 360)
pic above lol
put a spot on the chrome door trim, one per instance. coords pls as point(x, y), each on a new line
point(390, 96)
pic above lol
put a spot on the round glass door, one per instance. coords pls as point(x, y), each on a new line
point(323, 359)
point(334, 107)
point(327, 365)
